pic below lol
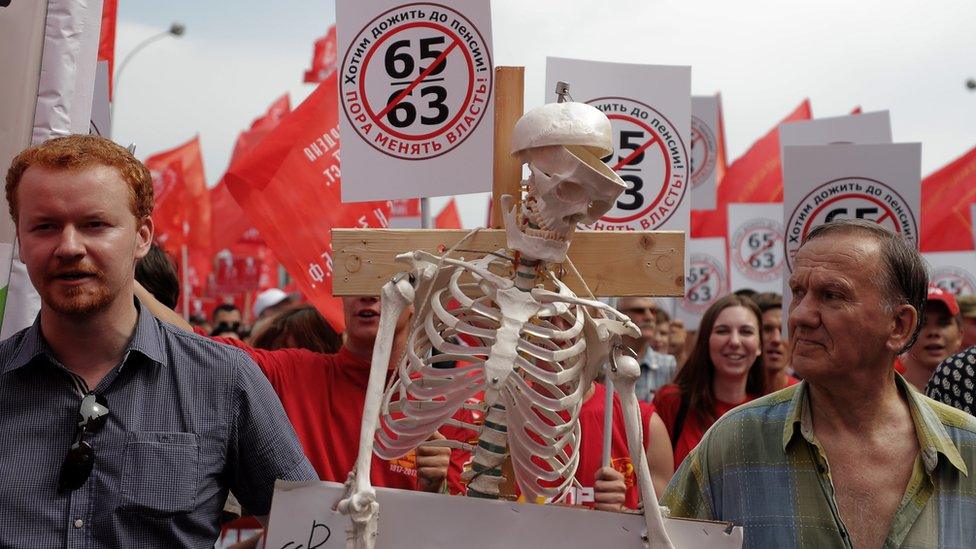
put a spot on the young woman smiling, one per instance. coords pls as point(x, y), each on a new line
point(723, 371)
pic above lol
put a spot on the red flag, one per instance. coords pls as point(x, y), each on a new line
point(405, 207)
point(946, 198)
point(289, 186)
point(323, 58)
point(106, 38)
point(169, 209)
point(857, 110)
point(195, 202)
point(753, 177)
point(231, 228)
point(449, 218)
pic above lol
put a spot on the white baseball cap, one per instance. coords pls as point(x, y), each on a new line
point(268, 298)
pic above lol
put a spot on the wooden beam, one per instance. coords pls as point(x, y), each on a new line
point(629, 263)
point(507, 170)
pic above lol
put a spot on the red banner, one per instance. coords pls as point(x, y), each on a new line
point(405, 207)
point(946, 198)
point(754, 177)
point(289, 186)
point(449, 218)
point(232, 230)
point(183, 191)
point(323, 58)
point(106, 38)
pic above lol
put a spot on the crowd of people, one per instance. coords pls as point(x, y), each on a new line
point(125, 425)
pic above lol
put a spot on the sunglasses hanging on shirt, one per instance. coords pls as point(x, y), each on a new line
point(77, 466)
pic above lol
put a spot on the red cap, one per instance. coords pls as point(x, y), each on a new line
point(938, 294)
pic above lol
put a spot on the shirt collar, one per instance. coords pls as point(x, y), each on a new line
point(145, 340)
point(933, 439)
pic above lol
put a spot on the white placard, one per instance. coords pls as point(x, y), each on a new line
point(856, 129)
point(101, 111)
point(756, 252)
point(954, 272)
point(649, 107)
point(880, 183)
point(707, 279)
point(415, 95)
point(705, 136)
point(301, 516)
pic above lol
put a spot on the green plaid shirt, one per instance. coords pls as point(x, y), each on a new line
point(761, 467)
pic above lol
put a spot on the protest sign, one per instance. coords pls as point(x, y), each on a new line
point(303, 515)
point(866, 128)
point(415, 98)
point(954, 272)
point(649, 107)
point(706, 135)
point(756, 252)
point(707, 279)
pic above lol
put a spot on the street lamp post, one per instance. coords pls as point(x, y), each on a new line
point(176, 30)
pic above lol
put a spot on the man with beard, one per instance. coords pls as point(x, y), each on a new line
point(657, 369)
point(775, 360)
point(119, 430)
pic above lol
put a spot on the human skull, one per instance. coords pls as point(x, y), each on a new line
point(568, 183)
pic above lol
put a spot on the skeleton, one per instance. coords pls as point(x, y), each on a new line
point(535, 351)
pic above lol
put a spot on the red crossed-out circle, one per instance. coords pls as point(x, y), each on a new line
point(654, 139)
point(378, 118)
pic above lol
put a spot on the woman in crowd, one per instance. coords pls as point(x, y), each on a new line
point(298, 327)
point(723, 370)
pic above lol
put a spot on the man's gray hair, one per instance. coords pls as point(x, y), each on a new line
point(904, 275)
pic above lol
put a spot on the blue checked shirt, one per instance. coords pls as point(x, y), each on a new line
point(188, 420)
point(761, 467)
point(657, 370)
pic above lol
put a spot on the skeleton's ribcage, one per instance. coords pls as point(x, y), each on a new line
point(442, 380)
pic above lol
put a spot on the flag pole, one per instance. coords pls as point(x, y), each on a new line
point(185, 275)
point(425, 213)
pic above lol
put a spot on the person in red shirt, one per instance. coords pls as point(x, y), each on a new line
point(724, 370)
point(939, 338)
point(323, 395)
point(775, 349)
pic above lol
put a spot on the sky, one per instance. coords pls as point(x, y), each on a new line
point(764, 56)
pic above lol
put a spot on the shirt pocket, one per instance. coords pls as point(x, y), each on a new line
point(160, 472)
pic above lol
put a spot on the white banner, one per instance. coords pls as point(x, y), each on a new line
point(302, 516)
point(856, 129)
point(954, 272)
point(416, 81)
point(705, 136)
point(756, 252)
point(707, 279)
point(21, 41)
point(649, 107)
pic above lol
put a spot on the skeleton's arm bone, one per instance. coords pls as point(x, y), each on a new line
point(396, 296)
point(625, 371)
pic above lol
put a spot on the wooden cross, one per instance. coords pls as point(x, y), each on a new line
point(613, 263)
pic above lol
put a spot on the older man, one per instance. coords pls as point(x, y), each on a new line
point(852, 456)
point(657, 368)
point(117, 429)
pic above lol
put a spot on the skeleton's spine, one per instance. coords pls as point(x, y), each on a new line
point(525, 273)
point(489, 455)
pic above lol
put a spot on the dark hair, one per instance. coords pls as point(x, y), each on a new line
point(746, 292)
point(768, 301)
point(904, 277)
point(157, 274)
point(696, 376)
point(299, 326)
point(661, 316)
point(229, 307)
